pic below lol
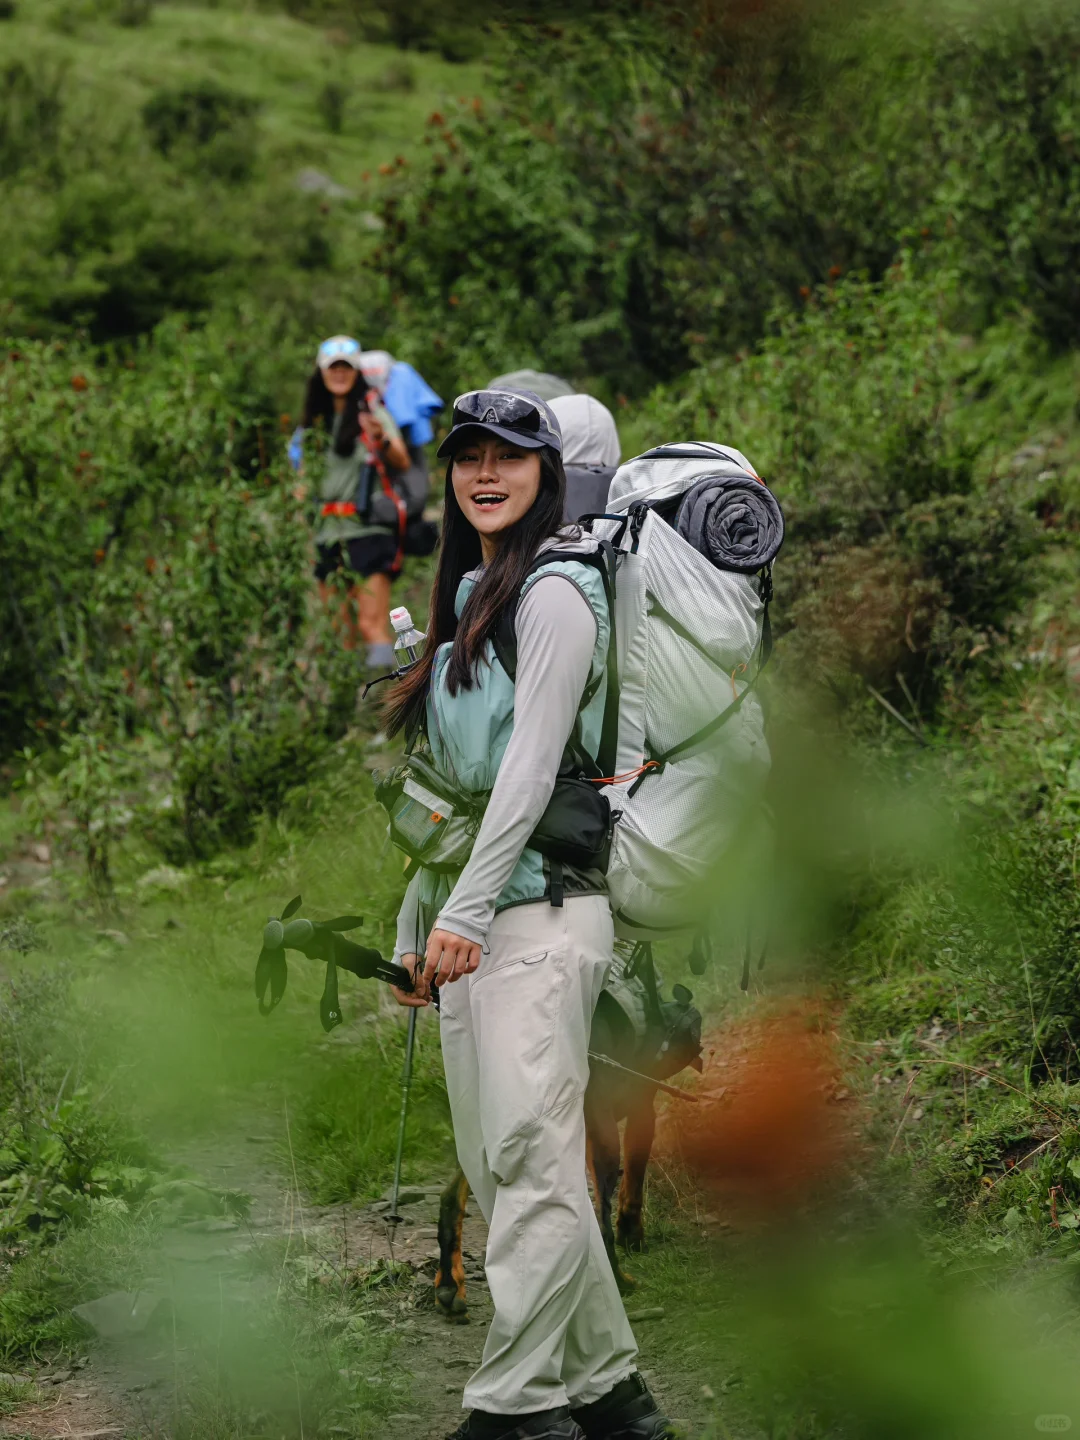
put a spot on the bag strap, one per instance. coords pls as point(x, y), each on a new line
point(765, 648)
point(504, 643)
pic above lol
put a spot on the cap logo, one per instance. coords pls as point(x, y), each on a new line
point(490, 416)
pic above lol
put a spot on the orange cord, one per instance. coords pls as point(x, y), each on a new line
point(630, 774)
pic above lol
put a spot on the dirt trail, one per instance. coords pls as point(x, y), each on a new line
point(130, 1387)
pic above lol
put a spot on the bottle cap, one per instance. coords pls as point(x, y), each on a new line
point(400, 619)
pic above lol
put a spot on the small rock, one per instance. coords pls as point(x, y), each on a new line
point(58, 1377)
point(1026, 453)
point(653, 1312)
point(314, 182)
point(708, 1393)
point(413, 1194)
point(7, 1378)
point(41, 853)
point(116, 936)
point(452, 1389)
point(163, 877)
point(81, 1363)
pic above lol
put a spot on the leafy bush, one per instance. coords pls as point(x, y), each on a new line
point(31, 114)
point(215, 126)
point(860, 409)
point(198, 114)
point(185, 605)
point(59, 1149)
point(332, 100)
point(134, 12)
point(657, 208)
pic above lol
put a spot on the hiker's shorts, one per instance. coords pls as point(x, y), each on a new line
point(366, 555)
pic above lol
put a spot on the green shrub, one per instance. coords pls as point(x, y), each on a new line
point(133, 12)
point(399, 75)
point(861, 409)
point(31, 115)
point(331, 102)
point(185, 606)
point(657, 208)
point(215, 124)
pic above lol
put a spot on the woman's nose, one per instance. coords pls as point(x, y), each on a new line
point(488, 468)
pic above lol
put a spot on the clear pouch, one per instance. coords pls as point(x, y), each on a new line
point(419, 816)
point(433, 829)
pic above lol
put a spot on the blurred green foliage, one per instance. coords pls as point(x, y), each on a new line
point(655, 180)
point(157, 579)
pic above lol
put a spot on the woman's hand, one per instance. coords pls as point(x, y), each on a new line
point(418, 997)
point(449, 956)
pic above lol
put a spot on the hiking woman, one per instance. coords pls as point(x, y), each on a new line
point(351, 534)
point(518, 945)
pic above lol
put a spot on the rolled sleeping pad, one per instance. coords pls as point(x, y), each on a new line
point(587, 489)
point(733, 520)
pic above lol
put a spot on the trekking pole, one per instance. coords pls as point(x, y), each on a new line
point(406, 1084)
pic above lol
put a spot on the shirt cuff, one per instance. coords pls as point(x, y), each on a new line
point(447, 921)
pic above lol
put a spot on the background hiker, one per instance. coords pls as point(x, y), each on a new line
point(353, 532)
point(591, 452)
point(521, 944)
point(413, 405)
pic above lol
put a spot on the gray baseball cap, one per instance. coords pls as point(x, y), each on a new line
point(519, 416)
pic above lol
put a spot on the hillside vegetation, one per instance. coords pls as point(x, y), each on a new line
point(843, 238)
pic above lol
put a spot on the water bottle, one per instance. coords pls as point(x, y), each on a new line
point(407, 639)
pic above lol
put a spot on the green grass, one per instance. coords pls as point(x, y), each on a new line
point(280, 62)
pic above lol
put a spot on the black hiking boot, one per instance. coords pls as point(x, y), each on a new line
point(629, 1412)
point(538, 1425)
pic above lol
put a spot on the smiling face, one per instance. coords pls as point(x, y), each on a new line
point(339, 378)
point(495, 483)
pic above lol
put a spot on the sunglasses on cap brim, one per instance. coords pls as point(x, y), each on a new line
point(489, 407)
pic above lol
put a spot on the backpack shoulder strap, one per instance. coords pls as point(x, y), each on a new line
point(504, 641)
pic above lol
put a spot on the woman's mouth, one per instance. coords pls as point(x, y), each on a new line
point(490, 498)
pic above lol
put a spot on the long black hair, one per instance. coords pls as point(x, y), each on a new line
point(502, 579)
point(319, 405)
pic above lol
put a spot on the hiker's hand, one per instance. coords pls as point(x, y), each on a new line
point(374, 433)
point(449, 956)
point(415, 998)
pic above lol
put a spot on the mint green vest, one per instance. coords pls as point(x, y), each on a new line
point(469, 732)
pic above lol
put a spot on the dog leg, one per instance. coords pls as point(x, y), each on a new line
point(450, 1276)
point(638, 1141)
point(602, 1158)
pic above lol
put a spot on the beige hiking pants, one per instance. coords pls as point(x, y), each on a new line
point(515, 1037)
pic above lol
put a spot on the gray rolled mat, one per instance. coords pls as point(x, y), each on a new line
point(732, 520)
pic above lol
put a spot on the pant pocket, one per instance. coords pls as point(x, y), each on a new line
point(527, 1060)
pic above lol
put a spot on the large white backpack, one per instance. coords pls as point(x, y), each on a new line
point(691, 751)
